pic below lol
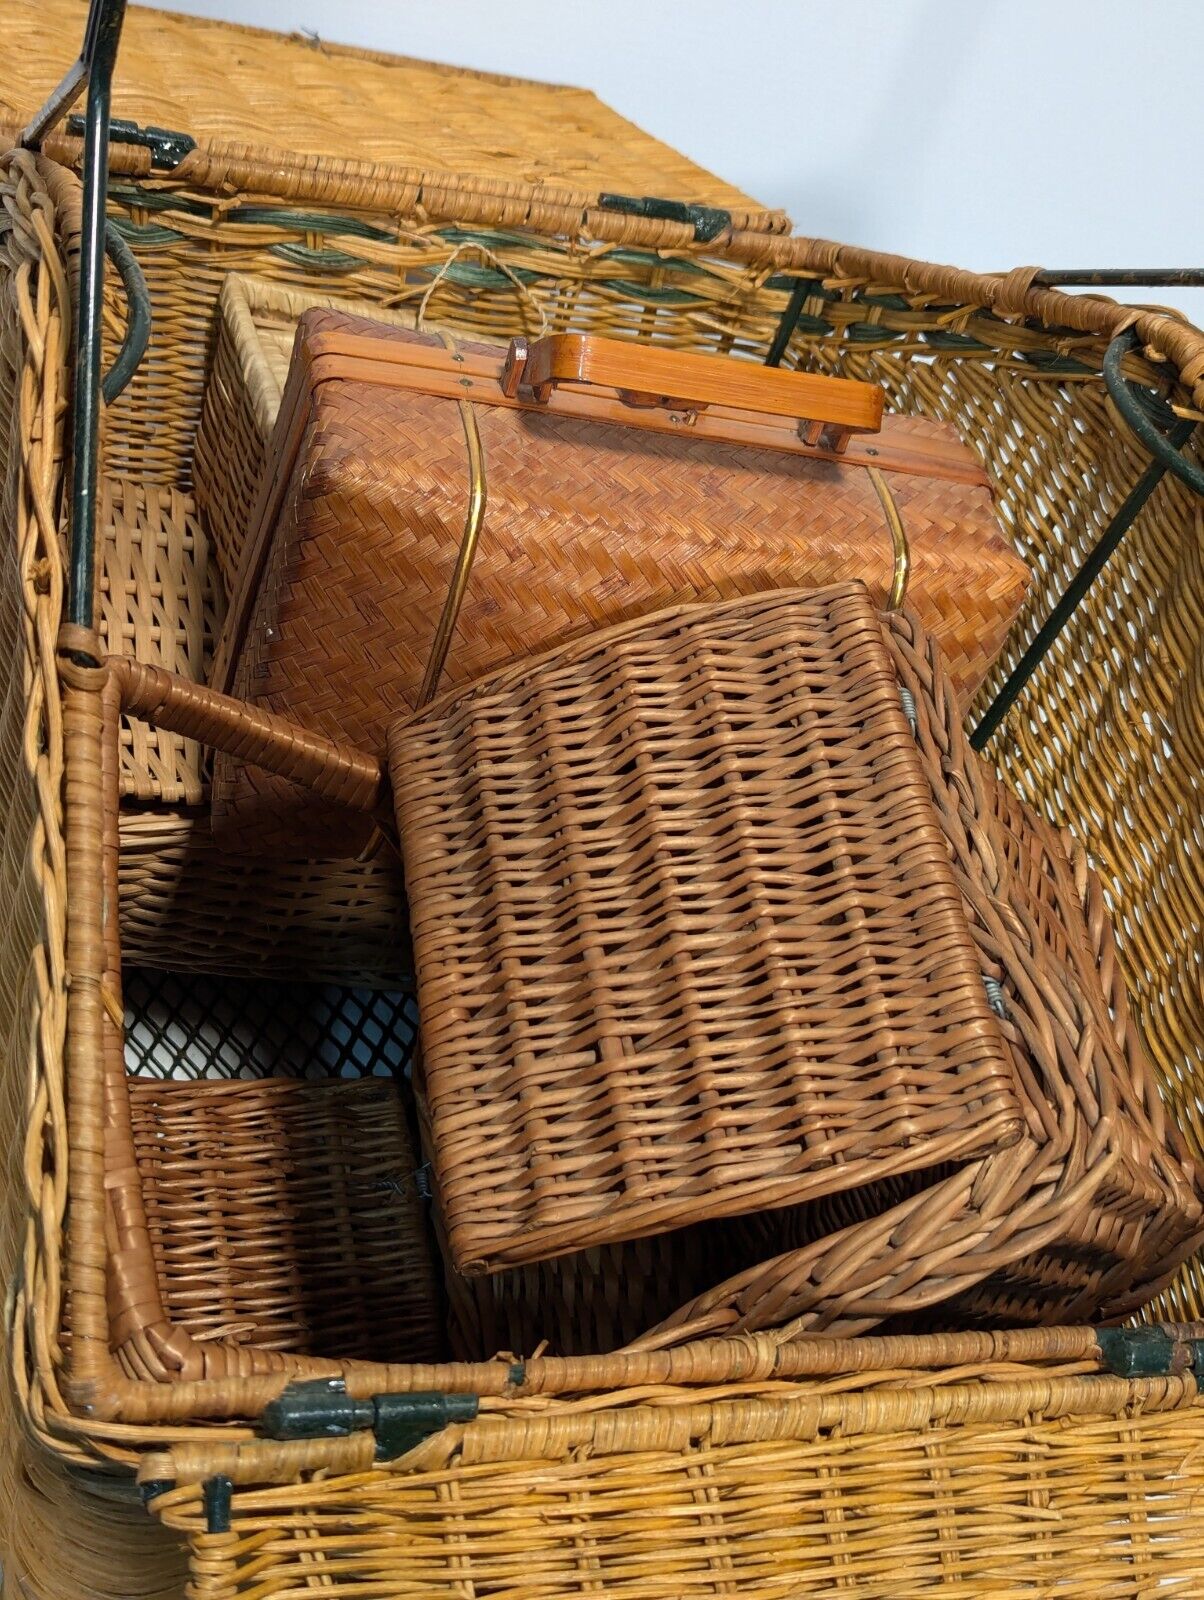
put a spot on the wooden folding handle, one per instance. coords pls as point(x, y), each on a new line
point(340, 773)
point(649, 376)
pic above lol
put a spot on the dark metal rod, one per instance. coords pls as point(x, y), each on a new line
point(87, 395)
point(1083, 579)
point(1123, 277)
point(794, 310)
point(138, 325)
point(1126, 397)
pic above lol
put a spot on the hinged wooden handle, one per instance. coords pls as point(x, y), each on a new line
point(827, 409)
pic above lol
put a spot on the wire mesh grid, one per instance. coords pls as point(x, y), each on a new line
point(194, 1026)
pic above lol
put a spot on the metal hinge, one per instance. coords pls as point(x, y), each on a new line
point(167, 148)
point(1150, 1353)
point(708, 222)
point(322, 1409)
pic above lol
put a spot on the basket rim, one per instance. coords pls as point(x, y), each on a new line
point(45, 1407)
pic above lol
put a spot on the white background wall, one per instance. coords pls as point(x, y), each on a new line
point(988, 133)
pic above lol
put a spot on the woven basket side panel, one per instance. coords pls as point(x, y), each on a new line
point(257, 325)
point(158, 601)
point(231, 452)
point(188, 906)
point(284, 1214)
point(1085, 1209)
point(1067, 1498)
point(1124, 687)
point(54, 1540)
point(672, 1061)
point(250, 91)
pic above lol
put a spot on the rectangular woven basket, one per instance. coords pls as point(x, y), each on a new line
point(688, 943)
point(735, 1462)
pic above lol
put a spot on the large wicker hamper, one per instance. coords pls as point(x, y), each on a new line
point(1049, 1461)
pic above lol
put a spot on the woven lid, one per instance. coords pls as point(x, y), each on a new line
point(252, 95)
point(687, 937)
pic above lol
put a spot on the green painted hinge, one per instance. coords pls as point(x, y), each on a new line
point(1150, 1353)
point(708, 222)
point(322, 1409)
point(167, 148)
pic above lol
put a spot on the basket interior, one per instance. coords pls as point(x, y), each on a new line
point(1028, 399)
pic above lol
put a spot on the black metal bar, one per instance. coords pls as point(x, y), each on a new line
point(789, 321)
point(1123, 277)
point(109, 16)
point(1125, 398)
point(1083, 579)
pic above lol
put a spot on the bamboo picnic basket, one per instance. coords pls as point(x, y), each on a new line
point(731, 1465)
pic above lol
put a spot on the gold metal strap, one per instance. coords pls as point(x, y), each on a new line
point(473, 519)
point(898, 587)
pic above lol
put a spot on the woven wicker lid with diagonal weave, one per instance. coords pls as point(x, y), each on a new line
point(308, 108)
point(687, 938)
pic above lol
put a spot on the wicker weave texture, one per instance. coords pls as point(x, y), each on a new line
point(158, 601)
point(586, 524)
point(187, 905)
point(686, 935)
point(284, 1214)
point(251, 97)
point(257, 326)
point(1096, 1200)
point(768, 1497)
point(1097, 1484)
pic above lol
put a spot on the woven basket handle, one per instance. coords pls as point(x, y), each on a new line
point(339, 773)
point(648, 376)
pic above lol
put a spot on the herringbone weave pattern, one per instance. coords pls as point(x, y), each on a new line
point(687, 938)
point(587, 524)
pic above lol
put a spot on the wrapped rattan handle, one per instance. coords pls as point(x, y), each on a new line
point(646, 375)
point(339, 773)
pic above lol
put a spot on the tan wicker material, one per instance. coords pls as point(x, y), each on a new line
point(686, 940)
point(560, 832)
point(1092, 1476)
point(903, 1494)
point(254, 98)
point(1093, 1204)
point(257, 325)
point(158, 602)
point(284, 1214)
point(187, 905)
point(593, 514)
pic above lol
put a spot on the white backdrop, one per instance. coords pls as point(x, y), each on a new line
point(988, 133)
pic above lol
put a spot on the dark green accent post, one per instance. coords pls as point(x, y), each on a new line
point(1140, 1352)
point(218, 1498)
point(794, 310)
point(86, 397)
point(322, 1409)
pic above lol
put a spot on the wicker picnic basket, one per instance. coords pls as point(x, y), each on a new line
point(746, 1463)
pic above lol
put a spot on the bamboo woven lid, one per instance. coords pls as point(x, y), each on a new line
point(250, 94)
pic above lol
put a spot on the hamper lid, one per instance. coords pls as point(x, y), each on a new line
point(307, 107)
